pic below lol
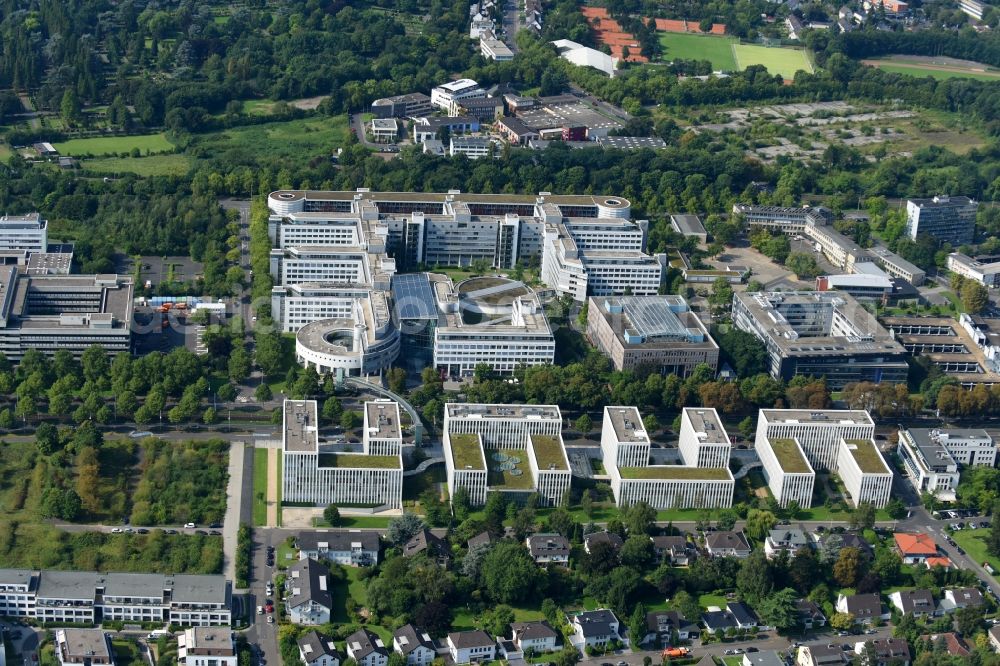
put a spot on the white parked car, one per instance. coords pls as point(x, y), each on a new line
point(190, 526)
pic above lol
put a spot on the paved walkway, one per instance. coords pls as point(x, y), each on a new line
point(234, 499)
point(272, 487)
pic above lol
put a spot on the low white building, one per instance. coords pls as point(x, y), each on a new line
point(863, 470)
point(536, 636)
point(206, 646)
point(83, 647)
point(443, 95)
point(468, 647)
point(472, 147)
point(385, 130)
point(595, 629)
point(929, 465)
point(787, 471)
point(786, 540)
point(493, 49)
point(316, 649)
point(584, 56)
point(349, 548)
point(548, 548)
point(415, 644)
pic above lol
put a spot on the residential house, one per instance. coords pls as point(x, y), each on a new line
point(426, 542)
point(83, 647)
point(852, 540)
point(718, 621)
point(919, 603)
point(762, 658)
point(206, 646)
point(745, 617)
point(954, 644)
point(594, 629)
point(727, 544)
point(355, 548)
point(317, 649)
point(961, 597)
point(482, 539)
point(309, 600)
point(548, 548)
point(672, 549)
point(994, 633)
point(810, 614)
point(823, 654)
point(594, 538)
point(707, 660)
point(942, 561)
point(366, 648)
point(535, 636)
point(467, 647)
point(866, 608)
point(787, 540)
point(667, 626)
point(415, 644)
point(915, 548)
point(888, 651)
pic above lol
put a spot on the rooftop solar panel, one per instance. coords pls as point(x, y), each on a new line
point(413, 296)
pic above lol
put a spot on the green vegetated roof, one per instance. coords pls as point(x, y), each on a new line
point(789, 456)
point(359, 461)
point(674, 472)
point(548, 452)
point(505, 480)
point(866, 455)
point(466, 451)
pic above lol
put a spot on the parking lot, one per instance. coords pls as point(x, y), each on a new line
point(158, 270)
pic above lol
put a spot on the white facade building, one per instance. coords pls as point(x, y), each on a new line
point(415, 644)
point(818, 433)
point(349, 548)
point(703, 439)
point(443, 95)
point(467, 647)
point(366, 648)
point(24, 232)
point(983, 271)
point(83, 647)
point(383, 434)
point(932, 457)
point(309, 599)
point(314, 476)
point(789, 475)
point(206, 646)
point(863, 470)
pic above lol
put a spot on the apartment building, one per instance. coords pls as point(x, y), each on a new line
point(657, 331)
point(864, 472)
point(817, 433)
point(703, 439)
point(24, 233)
point(625, 448)
point(92, 598)
point(349, 548)
point(787, 471)
point(984, 270)
point(933, 457)
point(314, 473)
point(83, 647)
point(822, 334)
point(947, 219)
point(206, 646)
point(514, 449)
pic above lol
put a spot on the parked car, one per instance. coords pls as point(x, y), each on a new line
point(116, 530)
point(142, 530)
point(260, 610)
point(189, 526)
point(270, 619)
point(752, 649)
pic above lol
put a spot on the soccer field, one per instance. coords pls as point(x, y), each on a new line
point(777, 60)
point(717, 50)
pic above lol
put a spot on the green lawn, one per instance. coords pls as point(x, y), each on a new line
point(5, 152)
point(917, 70)
point(153, 165)
point(297, 140)
point(777, 60)
point(285, 555)
point(258, 107)
point(464, 620)
point(715, 49)
point(105, 145)
point(357, 521)
point(259, 487)
point(707, 600)
point(973, 542)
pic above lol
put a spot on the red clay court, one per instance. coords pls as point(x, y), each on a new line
point(673, 25)
point(610, 33)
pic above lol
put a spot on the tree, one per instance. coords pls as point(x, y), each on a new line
point(848, 568)
point(46, 438)
point(587, 503)
point(687, 605)
point(896, 509)
point(69, 108)
point(842, 621)
point(639, 518)
point(584, 424)
point(404, 528)
point(239, 364)
point(396, 378)
point(754, 580)
point(863, 518)
point(887, 566)
point(969, 620)
point(722, 294)
point(727, 519)
point(802, 264)
point(331, 514)
point(350, 420)
point(209, 416)
point(637, 625)
point(778, 609)
point(497, 620)
point(759, 523)
point(637, 551)
point(263, 393)
point(975, 297)
point(508, 573)
point(804, 569)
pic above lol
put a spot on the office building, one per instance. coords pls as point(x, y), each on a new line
point(703, 439)
point(443, 95)
point(206, 646)
point(382, 428)
point(861, 286)
point(896, 266)
point(384, 130)
point(967, 350)
point(839, 250)
point(650, 331)
point(514, 449)
point(689, 225)
point(412, 105)
point(933, 458)
point(786, 470)
point(946, 219)
point(822, 334)
point(83, 647)
point(783, 219)
point(625, 449)
point(865, 475)
point(24, 233)
point(817, 433)
point(493, 49)
point(472, 147)
point(314, 473)
point(91, 598)
point(984, 270)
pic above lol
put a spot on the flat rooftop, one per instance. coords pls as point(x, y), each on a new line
point(687, 224)
point(677, 472)
point(358, 461)
point(826, 416)
point(466, 451)
point(628, 425)
point(957, 334)
point(383, 420)
point(654, 322)
point(301, 425)
point(867, 456)
point(347, 197)
point(549, 452)
point(86, 643)
point(706, 421)
point(567, 114)
point(457, 410)
point(789, 455)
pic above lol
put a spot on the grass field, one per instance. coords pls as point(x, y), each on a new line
point(297, 140)
point(259, 487)
point(154, 165)
point(5, 152)
point(717, 50)
point(974, 543)
point(917, 70)
point(108, 145)
point(777, 60)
